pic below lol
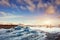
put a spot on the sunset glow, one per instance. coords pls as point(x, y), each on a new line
point(34, 12)
point(48, 22)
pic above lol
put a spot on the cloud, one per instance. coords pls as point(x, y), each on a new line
point(18, 1)
point(4, 2)
point(40, 4)
point(9, 15)
point(31, 6)
point(2, 13)
point(14, 5)
point(58, 17)
point(50, 10)
point(14, 16)
point(57, 2)
point(23, 8)
point(5, 13)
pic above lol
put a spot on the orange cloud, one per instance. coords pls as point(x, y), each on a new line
point(58, 2)
point(32, 6)
point(5, 2)
point(50, 10)
point(40, 4)
point(58, 17)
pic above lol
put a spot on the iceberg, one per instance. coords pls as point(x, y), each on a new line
point(26, 33)
point(21, 33)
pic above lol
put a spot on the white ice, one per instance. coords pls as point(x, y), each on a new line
point(50, 30)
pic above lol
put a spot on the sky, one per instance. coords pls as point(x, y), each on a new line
point(29, 11)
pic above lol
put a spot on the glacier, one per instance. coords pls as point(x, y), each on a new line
point(29, 33)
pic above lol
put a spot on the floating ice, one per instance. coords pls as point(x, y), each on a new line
point(21, 33)
point(50, 30)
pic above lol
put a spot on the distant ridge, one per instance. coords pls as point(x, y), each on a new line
point(7, 25)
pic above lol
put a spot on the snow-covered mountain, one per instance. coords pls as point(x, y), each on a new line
point(26, 33)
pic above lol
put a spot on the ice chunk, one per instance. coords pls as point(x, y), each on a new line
point(18, 27)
